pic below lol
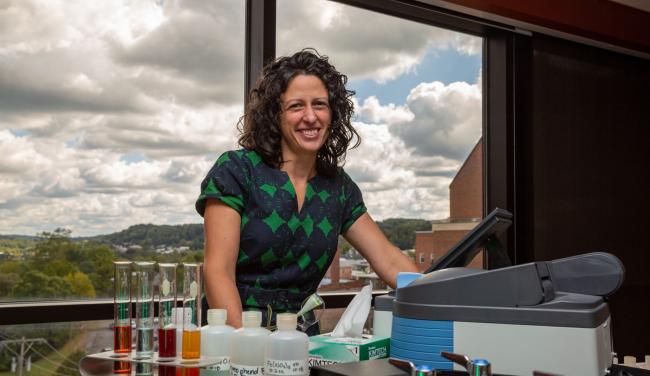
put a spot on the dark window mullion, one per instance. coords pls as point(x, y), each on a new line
point(260, 39)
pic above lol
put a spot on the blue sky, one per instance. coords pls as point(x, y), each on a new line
point(446, 66)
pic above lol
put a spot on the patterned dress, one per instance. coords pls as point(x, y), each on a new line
point(284, 253)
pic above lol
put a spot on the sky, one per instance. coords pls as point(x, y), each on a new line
point(113, 111)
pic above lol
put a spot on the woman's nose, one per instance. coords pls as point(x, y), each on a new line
point(310, 115)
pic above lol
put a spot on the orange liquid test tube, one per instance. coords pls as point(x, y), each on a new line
point(192, 291)
point(191, 344)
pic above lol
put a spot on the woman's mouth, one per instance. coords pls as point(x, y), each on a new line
point(309, 133)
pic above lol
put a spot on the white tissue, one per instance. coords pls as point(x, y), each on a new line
point(353, 319)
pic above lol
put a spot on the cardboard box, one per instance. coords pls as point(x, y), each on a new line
point(323, 349)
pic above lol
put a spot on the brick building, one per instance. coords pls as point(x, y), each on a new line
point(465, 212)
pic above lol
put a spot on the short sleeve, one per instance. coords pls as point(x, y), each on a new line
point(227, 182)
point(353, 205)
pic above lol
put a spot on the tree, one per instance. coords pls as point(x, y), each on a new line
point(80, 285)
point(35, 284)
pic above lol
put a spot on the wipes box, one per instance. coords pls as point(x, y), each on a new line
point(325, 349)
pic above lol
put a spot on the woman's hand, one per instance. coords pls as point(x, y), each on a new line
point(221, 226)
point(386, 259)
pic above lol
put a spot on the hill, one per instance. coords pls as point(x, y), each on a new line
point(150, 236)
point(400, 231)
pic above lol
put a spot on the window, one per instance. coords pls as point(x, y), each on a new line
point(54, 348)
point(111, 113)
point(418, 110)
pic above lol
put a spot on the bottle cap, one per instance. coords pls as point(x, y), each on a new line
point(217, 316)
point(251, 318)
point(287, 321)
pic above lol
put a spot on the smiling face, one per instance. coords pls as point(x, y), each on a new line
point(305, 118)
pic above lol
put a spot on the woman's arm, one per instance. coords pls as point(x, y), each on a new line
point(221, 226)
point(386, 259)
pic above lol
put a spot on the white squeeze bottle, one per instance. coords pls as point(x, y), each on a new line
point(215, 339)
point(247, 346)
point(287, 350)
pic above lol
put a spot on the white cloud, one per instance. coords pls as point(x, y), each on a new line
point(363, 44)
point(447, 119)
point(409, 154)
point(374, 112)
point(111, 111)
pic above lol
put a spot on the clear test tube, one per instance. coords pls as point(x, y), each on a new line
point(122, 307)
point(192, 289)
point(144, 313)
point(143, 369)
point(166, 304)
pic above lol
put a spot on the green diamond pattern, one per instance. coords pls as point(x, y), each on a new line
point(244, 220)
point(251, 301)
point(309, 193)
point(270, 189)
point(239, 153)
point(235, 202)
point(211, 188)
point(308, 225)
point(294, 290)
point(242, 257)
point(268, 257)
point(223, 158)
point(324, 195)
point(274, 221)
point(304, 261)
point(293, 223)
point(289, 258)
point(342, 196)
point(325, 226)
point(254, 158)
point(257, 283)
point(322, 261)
point(289, 188)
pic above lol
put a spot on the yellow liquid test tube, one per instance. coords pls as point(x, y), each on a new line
point(191, 344)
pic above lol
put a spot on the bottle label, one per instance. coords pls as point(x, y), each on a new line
point(222, 363)
point(296, 367)
point(241, 370)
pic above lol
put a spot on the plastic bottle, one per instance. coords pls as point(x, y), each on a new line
point(215, 339)
point(287, 350)
point(248, 346)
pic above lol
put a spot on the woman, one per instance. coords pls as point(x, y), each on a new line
point(273, 210)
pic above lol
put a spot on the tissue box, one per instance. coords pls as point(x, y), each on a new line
point(324, 349)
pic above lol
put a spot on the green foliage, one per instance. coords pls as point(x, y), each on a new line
point(150, 236)
point(80, 284)
point(75, 357)
point(401, 231)
point(58, 267)
point(35, 284)
point(56, 334)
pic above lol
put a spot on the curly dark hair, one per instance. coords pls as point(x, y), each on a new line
point(260, 125)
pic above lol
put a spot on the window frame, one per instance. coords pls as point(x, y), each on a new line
point(504, 58)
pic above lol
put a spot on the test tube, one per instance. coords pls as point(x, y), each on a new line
point(192, 310)
point(122, 307)
point(143, 369)
point(144, 309)
point(166, 304)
